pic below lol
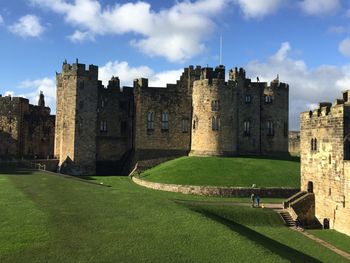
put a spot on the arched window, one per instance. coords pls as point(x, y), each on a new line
point(246, 128)
point(215, 123)
point(150, 120)
point(270, 129)
point(165, 120)
point(184, 125)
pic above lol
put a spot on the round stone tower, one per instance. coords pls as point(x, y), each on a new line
point(214, 115)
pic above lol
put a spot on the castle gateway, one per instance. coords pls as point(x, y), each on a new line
point(101, 127)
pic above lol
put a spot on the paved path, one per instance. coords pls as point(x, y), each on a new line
point(323, 243)
point(277, 208)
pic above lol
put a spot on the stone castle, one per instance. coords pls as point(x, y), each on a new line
point(26, 130)
point(202, 114)
point(325, 162)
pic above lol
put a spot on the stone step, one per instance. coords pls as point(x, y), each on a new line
point(287, 219)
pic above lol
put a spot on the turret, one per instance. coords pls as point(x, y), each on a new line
point(41, 102)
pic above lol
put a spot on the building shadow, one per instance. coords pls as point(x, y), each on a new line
point(274, 246)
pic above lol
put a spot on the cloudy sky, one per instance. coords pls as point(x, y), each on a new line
point(306, 42)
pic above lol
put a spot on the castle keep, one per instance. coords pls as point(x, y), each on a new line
point(26, 130)
point(325, 161)
point(202, 115)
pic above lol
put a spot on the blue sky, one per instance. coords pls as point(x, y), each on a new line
point(306, 42)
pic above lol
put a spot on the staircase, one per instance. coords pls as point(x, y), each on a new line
point(287, 219)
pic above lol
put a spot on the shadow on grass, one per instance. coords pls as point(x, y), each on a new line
point(15, 171)
point(274, 246)
point(274, 157)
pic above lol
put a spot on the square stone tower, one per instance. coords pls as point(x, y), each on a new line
point(75, 139)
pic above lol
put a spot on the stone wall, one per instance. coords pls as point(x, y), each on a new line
point(294, 141)
point(263, 192)
point(175, 101)
point(324, 164)
point(25, 130)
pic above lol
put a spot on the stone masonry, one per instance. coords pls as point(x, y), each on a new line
point(201, 114)
point(325, 161)
point(26, 130)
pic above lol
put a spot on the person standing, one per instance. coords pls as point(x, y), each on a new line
point(252, 197)
point(257, 200)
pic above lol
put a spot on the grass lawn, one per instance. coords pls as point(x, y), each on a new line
point(48, 218)
point(333, 237)
point(220, 171)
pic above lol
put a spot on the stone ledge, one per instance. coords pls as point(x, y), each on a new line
point(280, 192)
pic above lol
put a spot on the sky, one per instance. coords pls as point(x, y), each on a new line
point(305, 42)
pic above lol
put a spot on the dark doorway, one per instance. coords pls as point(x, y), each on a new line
point(310, 187)
point(326, 223)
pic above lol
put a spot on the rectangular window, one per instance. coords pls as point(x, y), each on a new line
point(165, 121)
point(215, 105)
point(248, 99)
point(215, 123)
point(270, 130)
point(184, 125)
point(268, 99)
point(103, 126)
point(150, 120)
point(246, 126)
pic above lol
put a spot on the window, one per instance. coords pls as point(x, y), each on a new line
point(103, 126)
point(150, 120)
point(248, 99)
point(184, 125)
point(270, 130)
point(195, 122)
point(215, 105)
point(246, 127)
point(268, 99)
point(314, 144)
point(165, 120)
point(215, 123)
point(102, 103)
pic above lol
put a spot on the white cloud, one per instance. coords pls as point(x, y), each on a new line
point(319, 7)
point(128, 74)
point(308, 86)
point(27, 26)
point(122, 70)
point(79, 36)
point(254, 8)
point(46, 85)
point(176, 33)
point(1, 20)
point(9, 93)
point(344, 47)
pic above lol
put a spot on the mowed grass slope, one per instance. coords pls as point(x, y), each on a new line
point(48, 218)
point(220, 171)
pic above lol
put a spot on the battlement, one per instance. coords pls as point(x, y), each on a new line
point(9, 98)
point(210, 73)
point(79, 69)
point(235, 74)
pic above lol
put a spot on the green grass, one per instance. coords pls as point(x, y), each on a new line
point(333, 237)
point(219, 171)
point(48, 218)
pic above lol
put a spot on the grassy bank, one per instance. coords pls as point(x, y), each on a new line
point(237, 171)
